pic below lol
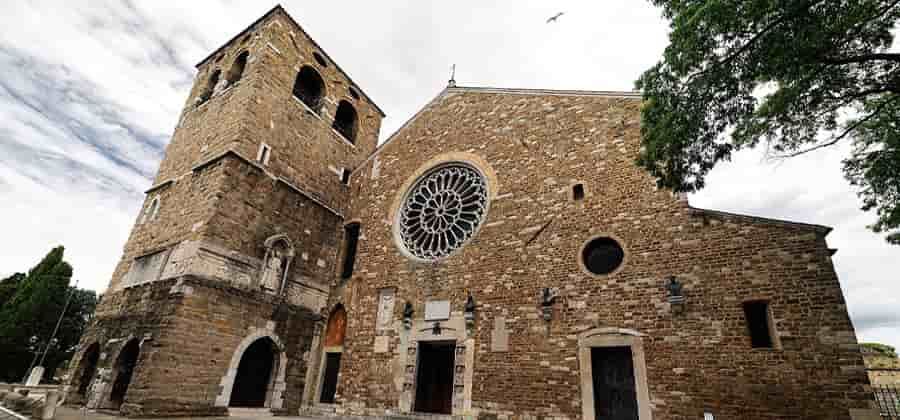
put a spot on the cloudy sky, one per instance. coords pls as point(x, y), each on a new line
point(91, 90)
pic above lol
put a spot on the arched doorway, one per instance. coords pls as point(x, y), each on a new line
point(88, 367)
point(124, 370)
point(333, 349)
point(254, 374)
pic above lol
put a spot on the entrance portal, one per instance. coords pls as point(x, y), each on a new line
point(333, 347)
point(613, 379)
point(251, 384)
point(329, 381)
point(88, 368)
point(125, 364)
point(434, 381)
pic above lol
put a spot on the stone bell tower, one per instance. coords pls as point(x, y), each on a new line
point(221, 288)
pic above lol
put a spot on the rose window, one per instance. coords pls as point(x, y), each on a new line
point(442, 211)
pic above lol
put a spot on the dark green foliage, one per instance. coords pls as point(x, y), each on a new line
point(794, 75)
point(8, 287)
point(30, 313)
point(882, 349)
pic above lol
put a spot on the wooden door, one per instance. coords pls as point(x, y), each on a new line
point(434, 380)
point(329, 381)
point(615, 397)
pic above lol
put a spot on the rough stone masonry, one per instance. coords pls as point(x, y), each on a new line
point(500, 257)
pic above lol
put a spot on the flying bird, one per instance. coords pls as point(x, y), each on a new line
point(555, 17)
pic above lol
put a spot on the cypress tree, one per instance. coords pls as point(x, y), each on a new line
point(27, 318)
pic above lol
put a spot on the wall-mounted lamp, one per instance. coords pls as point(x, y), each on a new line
point(548, 296)
point(437, 328)
point(407, 314)
point(470, 311)
point(676, 298)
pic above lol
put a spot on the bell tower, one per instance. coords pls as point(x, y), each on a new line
point(233, 254)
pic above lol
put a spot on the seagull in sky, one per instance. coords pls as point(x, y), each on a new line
point(555, 17)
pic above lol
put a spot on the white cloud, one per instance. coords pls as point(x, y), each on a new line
point(92, 90)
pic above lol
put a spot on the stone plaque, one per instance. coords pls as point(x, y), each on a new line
point(437, 310)
point(499, 335)
point(382, 343)
point(385, 309)
point(146, 269)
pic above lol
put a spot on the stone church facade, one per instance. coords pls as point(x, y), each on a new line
point(499, 256)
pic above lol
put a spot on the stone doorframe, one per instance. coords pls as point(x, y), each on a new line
point(275, 391)
point(454, 331)
point(317, 392)
point(612, 337)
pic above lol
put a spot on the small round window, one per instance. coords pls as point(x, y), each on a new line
point(602, 256)
point(442, 211)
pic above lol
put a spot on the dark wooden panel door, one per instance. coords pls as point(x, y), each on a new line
point(434, 380)
point(615, 397)
point(329, 382)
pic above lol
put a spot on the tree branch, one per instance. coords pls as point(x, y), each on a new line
point(863, 58)
point(847, 100)
point(846, 132)
point(753, 40)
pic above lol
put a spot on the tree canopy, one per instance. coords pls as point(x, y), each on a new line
point(31, 306)
point(878, 348)
point(794, 75)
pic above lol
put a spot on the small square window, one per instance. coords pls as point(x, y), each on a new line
point(578, 192)
point(264, 153)
point(759, 324)
point(345, 176)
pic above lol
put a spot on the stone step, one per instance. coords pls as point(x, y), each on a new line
point(318, 410)
point(250, 413)
point(417, 416)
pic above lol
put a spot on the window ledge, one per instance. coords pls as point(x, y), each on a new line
point(307, 108)
point(340, 137)
point(343, 138)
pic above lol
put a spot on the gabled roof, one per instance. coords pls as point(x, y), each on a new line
point(546, 92)
point(499, 91)
point(280, 9)
point(763, 220)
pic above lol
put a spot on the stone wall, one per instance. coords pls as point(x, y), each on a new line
point(882, 370)
point(533, 147)
point(192, 331)
point(189, 285)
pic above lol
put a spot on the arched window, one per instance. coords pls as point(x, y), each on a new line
point(210, 86)
point(151, 211)
point(309, 88)
point(237, 69)
point(345, 121)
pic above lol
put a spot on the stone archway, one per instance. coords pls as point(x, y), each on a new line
point(123, 371)
point(255, 346)
point(254, 375)
point(87, 368)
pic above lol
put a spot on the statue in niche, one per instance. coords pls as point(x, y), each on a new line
point(276, 263)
